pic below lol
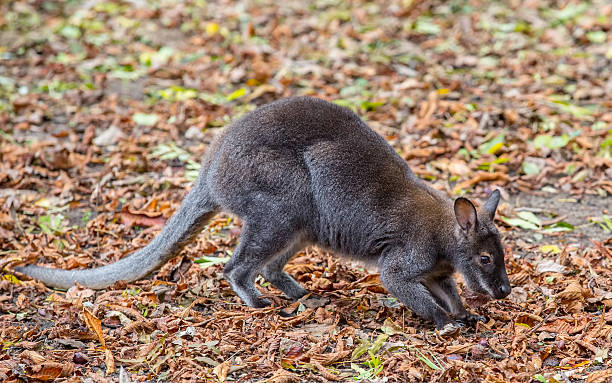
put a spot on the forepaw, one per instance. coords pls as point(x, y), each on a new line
point(471, 319)
point(449, 329)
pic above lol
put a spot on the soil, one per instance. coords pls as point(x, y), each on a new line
point(577, 210)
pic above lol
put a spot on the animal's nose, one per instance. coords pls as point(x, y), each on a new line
point(504, 290)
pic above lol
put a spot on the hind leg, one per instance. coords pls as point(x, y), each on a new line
point(259, 244)
point(274, 273)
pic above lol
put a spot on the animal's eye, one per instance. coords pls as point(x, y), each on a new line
point(485, 259)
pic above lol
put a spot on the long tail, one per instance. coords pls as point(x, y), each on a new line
point(193, 214)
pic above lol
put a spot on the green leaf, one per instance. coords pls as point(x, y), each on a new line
point(427, 26)
point(192, 170)
point(236, 94)
point(390, 328)
point(345, 103)
point(604, 222)
point(177, 93)
point(530, 168)
point(551, 142)
point(575, 110)
point(425, 360)
point(213, 98)
point(558, 141)
point(51, 224)
point(358, 87)
point(371, 106)
point(382, 338)
point(529, 216)
point(599, 125)
point(550, 249)
point(286, 365)
point(581, 175)
point(145, 119)
point(170, 151)
point(540, 378)
point(211, 261)
point(605, 149)
point(520, 223)
point(361, 349)
point(558, 227)
point(127, 72)
point(362, 373)
point(11, 279)
point(70, 32)
point(569, 12)
point(158, 58)
point(597, 37)
point(493, 146)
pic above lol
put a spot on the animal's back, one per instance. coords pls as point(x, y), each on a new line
point(311, 165)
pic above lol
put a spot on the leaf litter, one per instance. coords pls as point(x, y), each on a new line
point(106, 106)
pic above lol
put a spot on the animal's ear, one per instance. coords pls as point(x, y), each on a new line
point(491, 205)
point(465, 212)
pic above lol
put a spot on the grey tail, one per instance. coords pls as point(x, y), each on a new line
point(193, 214)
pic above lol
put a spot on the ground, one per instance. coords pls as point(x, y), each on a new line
point(107, 106)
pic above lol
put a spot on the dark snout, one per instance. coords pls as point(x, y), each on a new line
point(503, 291)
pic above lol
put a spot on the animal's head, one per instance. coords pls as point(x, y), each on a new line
point(479, 254)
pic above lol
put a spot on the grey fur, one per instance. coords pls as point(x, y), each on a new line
point(305, 171)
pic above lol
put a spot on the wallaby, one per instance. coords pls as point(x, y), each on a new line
point(303, 171)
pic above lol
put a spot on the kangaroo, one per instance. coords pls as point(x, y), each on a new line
point(304, 171)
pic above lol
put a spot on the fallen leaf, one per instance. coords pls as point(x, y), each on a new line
point(549, 266)
point(49, 371)
point(480, 177)
point(140, 218)
point(600, 376)
point(109, 361)
point(283, 376)
point(110, 136)
point(221, 370)
point(144, 119)
point(94, 325)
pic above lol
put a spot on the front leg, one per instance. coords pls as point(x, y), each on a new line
point(402, 277)
point(446, 291)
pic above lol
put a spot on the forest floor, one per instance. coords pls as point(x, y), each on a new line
point(107, 106)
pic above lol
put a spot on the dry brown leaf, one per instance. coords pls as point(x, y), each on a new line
point(481, 176)
point(573, 291)
point(297, 269)
point(329, 358)
point(439, 121)
point(573, 297)
point(146, 218)
point(425, 152)
point(322, 284)
point(260, 90)
point(94, 324)
point(519, 278)
point(601, 376)
point(561, 326)
point(283, 376)
point(458, 349)
point(109, 361)
point(325, 372)
point(35, 357)
point(49, 371)
point(221, 370)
